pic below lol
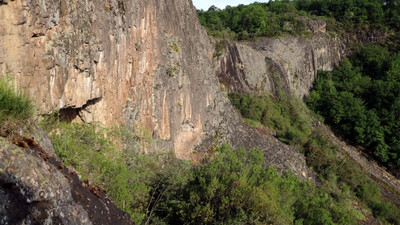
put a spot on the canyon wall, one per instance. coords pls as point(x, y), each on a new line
point(285, 62)
point(141, 63)
point(145, 64)
point(288, 62)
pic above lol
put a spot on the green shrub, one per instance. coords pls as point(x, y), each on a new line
point(171, 72)
point(13, 104)
point(287, 116)
point(232, 187)
point(235, 188)
point(175, 47)
point(220, 47)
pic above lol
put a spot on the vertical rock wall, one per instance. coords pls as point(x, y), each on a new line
point(291, 63)
point(287, 62)
point(145, 64)
point(134, 62)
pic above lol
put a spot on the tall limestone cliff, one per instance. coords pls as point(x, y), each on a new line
point(145, 64)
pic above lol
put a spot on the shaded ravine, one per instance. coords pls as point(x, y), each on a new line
point(390, 185)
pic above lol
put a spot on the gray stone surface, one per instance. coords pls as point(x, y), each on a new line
point(290, 62)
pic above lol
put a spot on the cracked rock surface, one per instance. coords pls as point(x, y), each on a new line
point(145, 64)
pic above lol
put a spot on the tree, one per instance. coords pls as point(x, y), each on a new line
point(373, 60)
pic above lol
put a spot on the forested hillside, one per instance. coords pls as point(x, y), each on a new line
point(361, 98)
point(285, 17)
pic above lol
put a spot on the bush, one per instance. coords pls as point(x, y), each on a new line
point(171, 71)
point(287, 116)
point(13, 104)
point(175, 47)
point(231, 187)
point(234, 188)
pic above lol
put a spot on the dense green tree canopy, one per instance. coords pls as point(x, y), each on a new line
point(361, 97)
point(283, 17)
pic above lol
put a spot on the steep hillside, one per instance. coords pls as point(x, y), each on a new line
point(283, 47)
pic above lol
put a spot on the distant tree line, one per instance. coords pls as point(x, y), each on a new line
point(282, 17)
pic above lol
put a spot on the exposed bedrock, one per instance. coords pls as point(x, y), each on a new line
point(291, 63)
point(145, 64)
point(287, 62)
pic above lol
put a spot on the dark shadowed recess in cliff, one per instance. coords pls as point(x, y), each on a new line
point(70, 114)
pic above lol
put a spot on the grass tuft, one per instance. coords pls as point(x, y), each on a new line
point(13, 103)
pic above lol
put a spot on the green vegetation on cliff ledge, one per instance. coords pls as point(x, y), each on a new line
point(288, 116)
point(342, 180)
point(361, 98)
point(285, 17)
point(13, 104)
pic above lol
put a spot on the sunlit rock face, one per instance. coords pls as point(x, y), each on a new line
point(145, 64)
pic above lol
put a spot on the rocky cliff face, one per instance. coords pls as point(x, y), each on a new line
point(142, 63)
point(145, 64)
point(289, 62)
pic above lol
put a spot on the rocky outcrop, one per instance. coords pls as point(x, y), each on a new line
point(36, 188)
point(145, 64)
point(288, 62)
